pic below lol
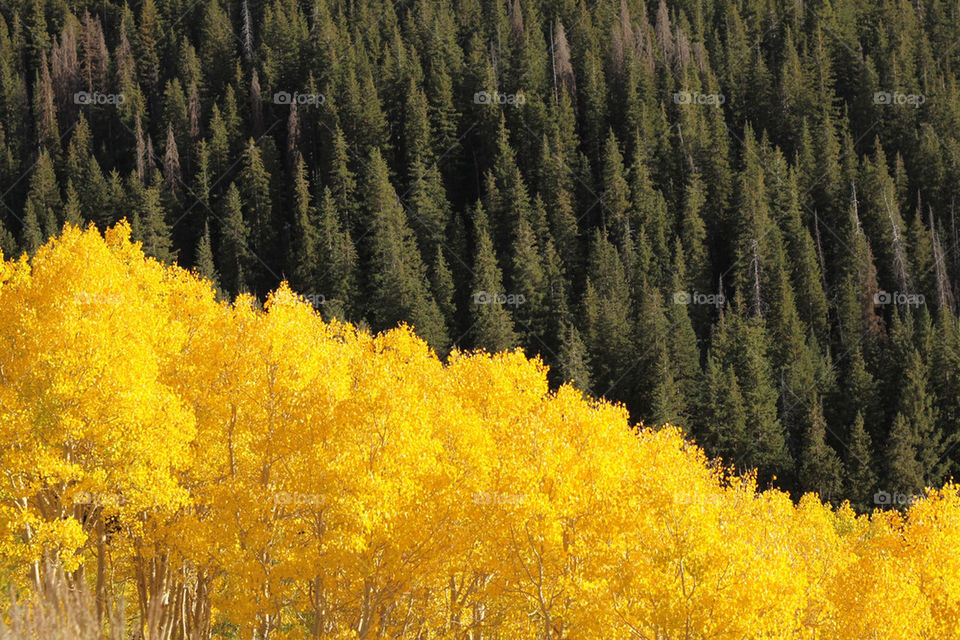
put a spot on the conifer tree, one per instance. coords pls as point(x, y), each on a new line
point(336, 272)
point(443, 288)
point(43, 206)
point(721, 422)
point(235, 256)
point(153, 228)
point(304, 251)
point(148, 61)
point(859, 476)
point(918, 410)
point(71, 206)
point(491, 325)
point(820, 469)
point(203, 262)
point(342, 181)
point(528, 279)
point(904, 473)
point(608, 318)
point(428, 205)
point(743, 344)
point(398, 285)
point(257, 203)
point(574, 361)
point(616, 213)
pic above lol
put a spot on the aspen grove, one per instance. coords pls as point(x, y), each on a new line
point(224, 470)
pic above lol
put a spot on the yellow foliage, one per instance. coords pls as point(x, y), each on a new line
point(299, 478)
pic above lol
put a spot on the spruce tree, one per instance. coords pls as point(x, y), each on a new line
point(721, 420)
point(904, 473)
point(203, 262)
point(859, 477)
point(336, 270)
point(820, 469)
point(491, 325)
point(917, 408)
point(303, 257)
point(442, 287)
point(608, 326)
point(398, 283)
point(235, 256)
point(574, 361)
point(743, 344)
point(43, 206)
point(616, 212)
point(528, 279)
point(71, 206)
point(154, 230)
point(257, 202)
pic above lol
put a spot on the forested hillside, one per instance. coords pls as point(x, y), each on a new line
point(219, 471)
point(734, 216)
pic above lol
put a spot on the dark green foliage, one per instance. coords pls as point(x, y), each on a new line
point(491, 326)
point(621, 216)
point(398, 286)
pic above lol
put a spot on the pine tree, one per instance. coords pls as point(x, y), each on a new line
point(491, 325)
point(442, 287)
point(148, 62)
point(342, 181)
point(43, 206)
point(509, 202)
point(153, 228)
point(398, 290)
point(71, 206)
point(528, 280)
point(235, 256)
point(743, 344)
point(607, 318)
point(820, 470)
point(428, 205)
point(916, 406)
point(337, 261)
point(44, 110)
point(258, 207)
point(616, 212)
point(217, 46)
point(303, 257)
point(904, 471)
point(721, 422)
point(203, 262)
point(859, 476)
point(684, 349)
point(661, 399)
point(693, 236)
point(219, 142)
point(574, 361)
point(650, 208)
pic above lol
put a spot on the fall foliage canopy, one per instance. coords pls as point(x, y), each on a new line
point(218, 465)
